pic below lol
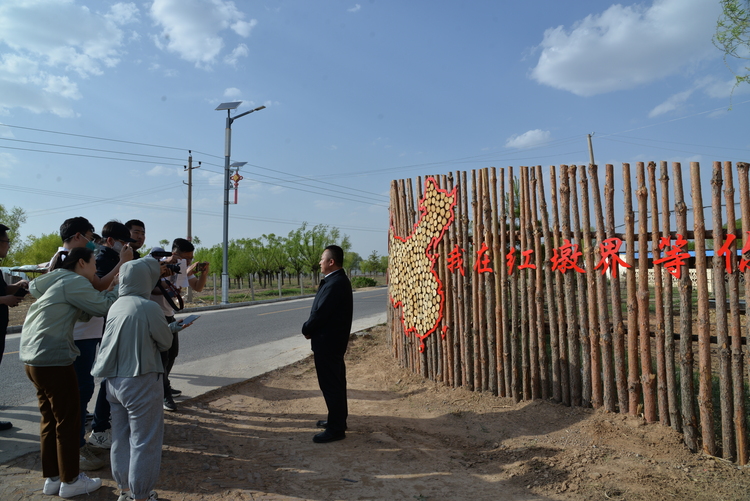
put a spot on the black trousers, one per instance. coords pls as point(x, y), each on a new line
point(167, 359)
point(331, 372)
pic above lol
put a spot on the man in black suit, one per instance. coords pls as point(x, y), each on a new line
point(328, 328)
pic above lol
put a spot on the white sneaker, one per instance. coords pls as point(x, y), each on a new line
point(82, 485)
point(128, 496)
point(52, 487)
point(87, 460)
point(101, 439)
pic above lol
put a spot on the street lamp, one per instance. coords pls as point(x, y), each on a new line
point(227, 153)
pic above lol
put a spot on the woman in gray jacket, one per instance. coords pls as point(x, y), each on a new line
point(63, 296)
point(129, 357)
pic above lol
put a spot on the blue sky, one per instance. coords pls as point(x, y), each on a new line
point(101, 101)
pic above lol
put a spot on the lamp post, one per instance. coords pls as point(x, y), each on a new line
point(227, 153)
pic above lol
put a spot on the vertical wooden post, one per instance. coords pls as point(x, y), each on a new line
point(531, 287)
point(541, 330)
point(523, 290)
point(592, 298)
point(634, 396)
point(648, 378)
point(583, 301)
point(554, 289)
point(661, 367)
point(515, 341)
point(489, 288)
point(497, 255)
point(737, 353)
point(468, 363)
point(722, 328)
point(560, 292)
point(550, 291)
point(617, 323)
point(504, 291)
point(675, 417)
point(689, 419)
point(705, 399)
point(574, 348)
point(480, 320)
point(605, 332)
point(457, 333)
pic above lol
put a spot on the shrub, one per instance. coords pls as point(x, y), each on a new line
point(358, 282)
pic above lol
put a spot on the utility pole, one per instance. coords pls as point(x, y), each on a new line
point(189, 169)
point(591, 149)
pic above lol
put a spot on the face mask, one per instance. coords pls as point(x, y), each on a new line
point(117, 247)
point(90, 245)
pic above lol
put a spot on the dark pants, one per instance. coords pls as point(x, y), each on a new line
point(331, 372)
point(57, 391)
point(83, 365)
point(167, 359)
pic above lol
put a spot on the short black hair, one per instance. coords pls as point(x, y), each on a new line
point(74, 225)
point(3, 229)
point(337, 254)
point(135, 222)
point(182, 245)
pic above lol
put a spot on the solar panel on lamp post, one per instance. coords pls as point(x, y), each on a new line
point(227, 153)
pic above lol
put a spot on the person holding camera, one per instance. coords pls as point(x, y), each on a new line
point(10, 296)
point(193, 275)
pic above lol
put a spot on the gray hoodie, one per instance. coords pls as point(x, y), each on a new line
point(136, 329)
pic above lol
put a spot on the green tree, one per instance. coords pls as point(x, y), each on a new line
point(733, 35)
point(36, 250)
point(352, 261)
point(13, 219)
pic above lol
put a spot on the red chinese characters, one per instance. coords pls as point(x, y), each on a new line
point(456, 260)
point(675, 255)
point(566, 257)
point(483, 260)
point(610, 259)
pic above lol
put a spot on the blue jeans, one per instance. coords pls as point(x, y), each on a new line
point(82, 366)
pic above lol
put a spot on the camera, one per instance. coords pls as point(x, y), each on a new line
point(174, 268)
point(201, 266)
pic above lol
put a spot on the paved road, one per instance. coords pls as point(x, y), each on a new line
point(221, 348)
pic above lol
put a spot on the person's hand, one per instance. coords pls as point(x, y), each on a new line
point(115, 281)
point(163, 270)
point(10, 301)
point(24, 284)
point(177, 326)
point(126, 253)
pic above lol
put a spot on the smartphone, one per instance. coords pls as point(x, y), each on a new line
point(190, 319)
point(20, 292)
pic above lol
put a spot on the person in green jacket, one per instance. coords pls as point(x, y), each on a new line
point(63, 297)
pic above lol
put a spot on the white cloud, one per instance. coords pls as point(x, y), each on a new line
point(48, 43)
point(240, 51)
point(528, 139)
point(356, 8)
point(7, 162)
point(191, 28)
point(160, 170)
point(675, 102)
point(232, 93)
point(123, 13)
point(627, 46)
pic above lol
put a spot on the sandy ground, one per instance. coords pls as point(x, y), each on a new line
point(408, 439)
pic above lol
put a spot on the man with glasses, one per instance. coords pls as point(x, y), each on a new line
point(8, 299)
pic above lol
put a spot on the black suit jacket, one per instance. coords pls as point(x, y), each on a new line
point(330, 321)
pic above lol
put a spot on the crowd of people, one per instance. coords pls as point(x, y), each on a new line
point(102, 310)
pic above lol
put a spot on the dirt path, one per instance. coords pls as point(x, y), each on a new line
point(408, 439)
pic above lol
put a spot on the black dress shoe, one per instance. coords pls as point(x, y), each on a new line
point(5, 425)
point(324, 424)
point(329, 436)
